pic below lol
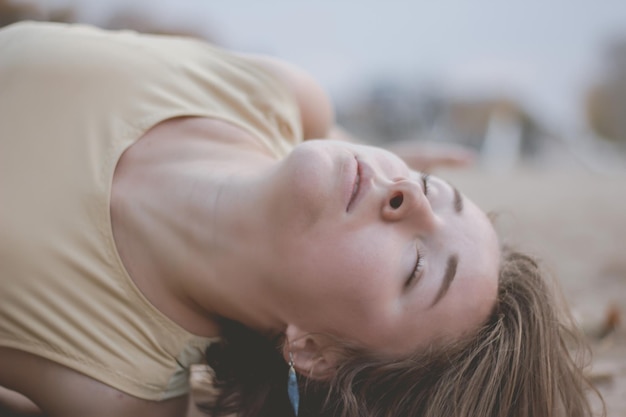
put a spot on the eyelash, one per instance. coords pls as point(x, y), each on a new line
point(425, 178)
point(416, 270)
point(420, 259)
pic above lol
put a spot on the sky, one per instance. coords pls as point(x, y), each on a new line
point(543, 53)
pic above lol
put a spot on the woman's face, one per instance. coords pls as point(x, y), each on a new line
point(369, 250)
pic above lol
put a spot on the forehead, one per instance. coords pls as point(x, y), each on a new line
point(472, 238)
point(470, 235)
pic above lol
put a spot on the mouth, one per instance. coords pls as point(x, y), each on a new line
point(356, 186)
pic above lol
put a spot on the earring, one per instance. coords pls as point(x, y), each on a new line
point(292, 387)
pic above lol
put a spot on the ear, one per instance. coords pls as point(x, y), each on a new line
point(312, 354)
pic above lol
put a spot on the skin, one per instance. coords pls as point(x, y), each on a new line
point(302, 263)
point(347, 270)
point(196, 200)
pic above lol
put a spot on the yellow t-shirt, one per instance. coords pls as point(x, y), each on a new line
point(72, 99)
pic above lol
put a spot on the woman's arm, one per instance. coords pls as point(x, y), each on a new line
point(15, 404)
point(62, 392)
point(425, 156)
point(420, 155)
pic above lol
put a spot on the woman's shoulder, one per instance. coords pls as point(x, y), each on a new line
point(312, 100)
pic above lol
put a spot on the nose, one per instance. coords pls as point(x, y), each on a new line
point(405, 200)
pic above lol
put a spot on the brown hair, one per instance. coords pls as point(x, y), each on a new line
point(523, 362)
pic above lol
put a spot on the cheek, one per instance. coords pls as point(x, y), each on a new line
point(306, 171)
point(347, 284)
point(359, 269)
point(304, 191)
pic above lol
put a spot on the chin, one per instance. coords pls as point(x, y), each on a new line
point(309, 174)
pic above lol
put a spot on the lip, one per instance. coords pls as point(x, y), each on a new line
point(360, 184)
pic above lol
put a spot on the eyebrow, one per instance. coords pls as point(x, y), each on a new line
point(453, 261)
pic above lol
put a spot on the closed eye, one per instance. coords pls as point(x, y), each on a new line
point(416, 273)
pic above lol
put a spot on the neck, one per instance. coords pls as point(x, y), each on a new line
point(232, 275)
point(212, 251)
point(189, 221)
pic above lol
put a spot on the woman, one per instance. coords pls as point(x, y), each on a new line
point(159, 204)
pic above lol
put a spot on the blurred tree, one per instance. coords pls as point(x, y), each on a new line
point(471, 122)
point(11, 13)
point(391, 110)
point(606, 101)
point(141, 21)
point(123, 16)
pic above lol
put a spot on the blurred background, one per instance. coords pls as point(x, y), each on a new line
point(537, 88)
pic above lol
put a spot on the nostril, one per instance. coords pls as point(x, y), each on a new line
point(396, 201)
